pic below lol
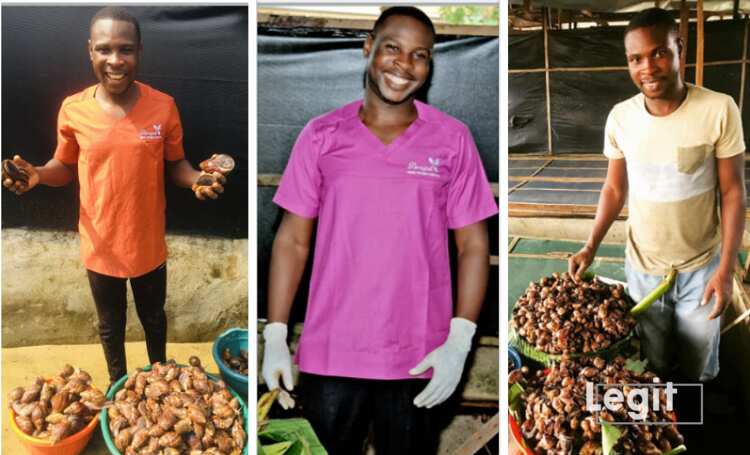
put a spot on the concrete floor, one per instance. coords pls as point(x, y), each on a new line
point(21, 365)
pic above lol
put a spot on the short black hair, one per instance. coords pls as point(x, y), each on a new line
point(117, 14)
point(410, 11)
point(653, 17)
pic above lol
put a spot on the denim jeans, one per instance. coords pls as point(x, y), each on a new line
point(675, 331)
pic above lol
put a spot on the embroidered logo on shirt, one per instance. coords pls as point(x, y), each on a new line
point(431, 169)
point(145, 134)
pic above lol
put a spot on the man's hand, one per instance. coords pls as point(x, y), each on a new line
point(447, 363)
point(19, 176)
point(209, 185)
point(720, 287)
point(580, 262)
point(276, 358)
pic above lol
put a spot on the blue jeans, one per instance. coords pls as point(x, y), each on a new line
point(676, 329)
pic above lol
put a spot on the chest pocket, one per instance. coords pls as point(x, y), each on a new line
point(152, 148)
point(690, 159)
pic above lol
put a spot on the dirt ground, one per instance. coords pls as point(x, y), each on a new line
point(21, 365)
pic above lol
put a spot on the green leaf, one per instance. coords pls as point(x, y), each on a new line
point(655, 294)
point(298, 431)
point(679, 449)
point(514, 400)
point(298, 448)
point(514, 394)
point(470, 14)
point(610, 435)
point(588, 275)
point(269, 436)
point(279, 448)
point(635, 365)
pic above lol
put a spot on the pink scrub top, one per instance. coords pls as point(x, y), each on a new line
point(380, 293)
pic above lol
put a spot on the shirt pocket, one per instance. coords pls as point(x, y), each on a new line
point(152, 148)
point(691, 158)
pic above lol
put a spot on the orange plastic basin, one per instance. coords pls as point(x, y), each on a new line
point(72, 445)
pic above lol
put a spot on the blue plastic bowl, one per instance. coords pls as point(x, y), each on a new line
point(514, 357)
point(104, 418)
point(234, 339)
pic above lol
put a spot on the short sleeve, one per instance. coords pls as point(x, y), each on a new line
point(173, 148)
point(730, 141)
point(611, 148)
point(67, 146)
point(299, 189)
point(470, 197)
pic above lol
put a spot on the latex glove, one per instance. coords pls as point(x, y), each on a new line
point(447, 363)
point(276, 358)
point(209, 185)
point(22, 176)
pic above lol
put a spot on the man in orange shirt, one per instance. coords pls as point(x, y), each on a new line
point(118, 136)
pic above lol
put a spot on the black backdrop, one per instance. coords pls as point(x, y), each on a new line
point(303, 73)
point(198, 55)
point(581, 100)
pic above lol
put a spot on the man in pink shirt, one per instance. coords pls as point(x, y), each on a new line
point(386, 177)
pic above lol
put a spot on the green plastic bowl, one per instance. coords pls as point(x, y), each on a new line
point(104, 418)
point(234, 339)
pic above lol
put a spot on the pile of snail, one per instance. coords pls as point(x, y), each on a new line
point(559, 315)
point(175, 409)
point(56, 408)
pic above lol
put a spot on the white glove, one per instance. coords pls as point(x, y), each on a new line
point(276, 358)
point(447, 363)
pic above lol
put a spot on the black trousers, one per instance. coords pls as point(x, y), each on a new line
point(149, 293)
point(342, 409)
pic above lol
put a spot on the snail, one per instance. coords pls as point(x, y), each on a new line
point(176, 409)
point(222, 163)
point(237, 363)
point(555, 420)
point(559, 315)
point(56, 408)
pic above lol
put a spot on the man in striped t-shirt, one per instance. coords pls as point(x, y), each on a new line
point(676, 152)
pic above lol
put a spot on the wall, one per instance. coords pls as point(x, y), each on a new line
point(198, 55)
point(589, 76)
point(47, 300)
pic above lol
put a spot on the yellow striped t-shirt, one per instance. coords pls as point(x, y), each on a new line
point(673, 216)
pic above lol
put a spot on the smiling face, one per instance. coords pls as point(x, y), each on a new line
point(653, 55)
point(114, 51)
point(399, 57)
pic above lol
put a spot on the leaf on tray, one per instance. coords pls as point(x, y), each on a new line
point(279, 448)
point(610, 435)
point(635, 365)
point(514, 399)
point(679, 449)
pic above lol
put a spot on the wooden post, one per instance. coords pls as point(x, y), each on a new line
point(743, 71)
point(736, 10)
point(699, 47)
point(684, 27)
point(546, 81)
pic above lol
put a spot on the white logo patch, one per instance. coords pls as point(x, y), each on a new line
point(155, 133)
point(432, 169)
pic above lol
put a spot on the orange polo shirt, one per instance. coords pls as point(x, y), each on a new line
point(121, 175)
